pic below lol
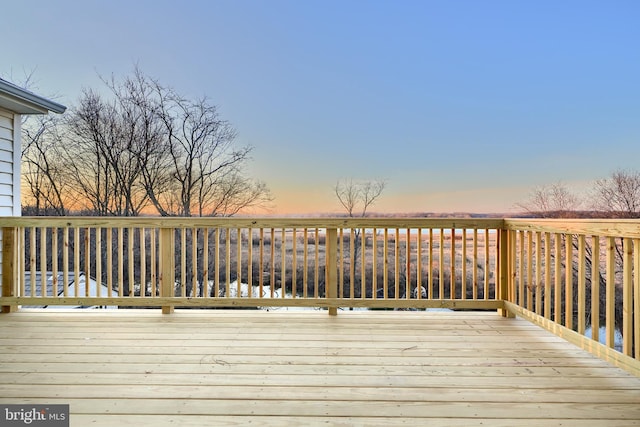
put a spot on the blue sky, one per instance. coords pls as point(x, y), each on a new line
point(458, 105)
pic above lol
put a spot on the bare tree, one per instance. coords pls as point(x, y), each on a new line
point(144, 146)
point(47, 190)
point(136, 147)
point(110, 141)
point(618, 195)
point(205, 165)
point(234, 193)
point(551, 201)
point(357, 196)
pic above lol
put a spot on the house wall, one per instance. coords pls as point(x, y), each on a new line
point(10, 127)
point(10, 152)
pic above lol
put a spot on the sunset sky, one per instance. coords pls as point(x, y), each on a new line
point(458, 105)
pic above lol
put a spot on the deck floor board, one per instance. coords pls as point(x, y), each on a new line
point(280, 368)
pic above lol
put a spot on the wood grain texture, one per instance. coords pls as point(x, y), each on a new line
point(279, 368)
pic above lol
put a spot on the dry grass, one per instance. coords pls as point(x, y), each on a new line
point(391, 262)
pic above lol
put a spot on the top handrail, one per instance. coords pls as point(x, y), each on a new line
point(626, 228)
point(629, 228)
point(247, 222)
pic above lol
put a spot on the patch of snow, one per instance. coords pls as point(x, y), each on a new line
point(617, 338)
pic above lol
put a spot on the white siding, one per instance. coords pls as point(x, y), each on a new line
point(6, 144)
point(8, 135)
point(10, 128)
point(6, 120)
point(17, 163)
point(0, 261)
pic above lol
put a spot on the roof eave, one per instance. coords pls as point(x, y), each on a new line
point(22, 101)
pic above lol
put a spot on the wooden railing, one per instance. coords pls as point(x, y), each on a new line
point(579, 278)
point(250, 262)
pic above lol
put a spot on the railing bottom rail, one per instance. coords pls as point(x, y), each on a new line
point(224, 302)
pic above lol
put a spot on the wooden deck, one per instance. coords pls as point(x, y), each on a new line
point(284, 368)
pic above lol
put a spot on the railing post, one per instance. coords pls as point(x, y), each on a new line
point(8, 267)
point(504, 265)
point(331, 266)
point(627, 297)
point(167, 260)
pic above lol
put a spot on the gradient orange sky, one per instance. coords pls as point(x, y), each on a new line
point(485, 200)
point(459, 105)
